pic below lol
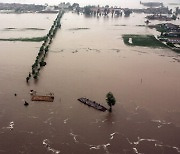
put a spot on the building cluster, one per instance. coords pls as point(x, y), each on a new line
point(95, 10)
point(105, 11)
point(162, 17)
point(170, 33)
point(156, 8)
point(159, 10)
point(177, 10)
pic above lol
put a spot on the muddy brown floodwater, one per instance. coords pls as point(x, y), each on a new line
point(88, 59)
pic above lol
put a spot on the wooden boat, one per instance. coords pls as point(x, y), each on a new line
point(92, 104)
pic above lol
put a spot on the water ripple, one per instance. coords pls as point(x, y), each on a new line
point(112, 135)
point(10, 127)
point(98, 147)
point(74, 137)
point(161, 123)
point(46, 143)
point(65, 120)
point(168, 146)
point(156, 144)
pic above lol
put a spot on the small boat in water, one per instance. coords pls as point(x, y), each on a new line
point(93, 104)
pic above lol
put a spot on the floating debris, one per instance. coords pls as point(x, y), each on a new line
point(92, 104)
point(26, 103)
point(32, 92)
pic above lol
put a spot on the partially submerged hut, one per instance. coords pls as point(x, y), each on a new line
point(38, 97)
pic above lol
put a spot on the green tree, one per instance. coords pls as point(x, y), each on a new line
point(27, 79)
point(110, 99)
point(174, 17)
point(87, 10)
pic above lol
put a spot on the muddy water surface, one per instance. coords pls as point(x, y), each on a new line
point(88, 59)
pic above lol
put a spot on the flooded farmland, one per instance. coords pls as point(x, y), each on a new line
point(88, 59)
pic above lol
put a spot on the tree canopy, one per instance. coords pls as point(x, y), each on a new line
point(110, 99)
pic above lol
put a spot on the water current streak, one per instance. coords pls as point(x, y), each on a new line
point(46, 143)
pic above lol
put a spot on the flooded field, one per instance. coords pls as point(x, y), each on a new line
point(88, 59)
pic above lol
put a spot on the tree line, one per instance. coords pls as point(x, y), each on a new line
point(44, 49)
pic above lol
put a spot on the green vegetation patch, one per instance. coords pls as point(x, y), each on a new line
point(142, 40)
point(120, 25)
point(160, 28)
point(33, 29)
point(33, 39)
point(79, 28)
point(22, 29)
point(10, 28)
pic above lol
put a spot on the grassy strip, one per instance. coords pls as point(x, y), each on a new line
point(33, 39)
point(33, 29)
point(9, 28)
point(22, 29)
point(142, 40)
point(79, 28)
point(120, 25)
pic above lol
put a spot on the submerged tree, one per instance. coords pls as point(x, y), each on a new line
point(87, 10)
point(110, 99)
point(39, 62)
